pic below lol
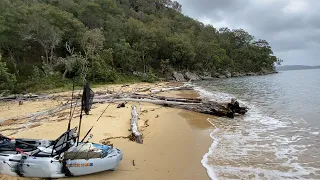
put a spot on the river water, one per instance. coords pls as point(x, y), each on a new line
point(279, 136)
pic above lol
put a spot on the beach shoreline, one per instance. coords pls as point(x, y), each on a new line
point(175, 140)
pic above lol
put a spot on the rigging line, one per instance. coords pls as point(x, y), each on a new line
point(74, 108)
point(72, 97)
point(108, 105)
point(100, 115)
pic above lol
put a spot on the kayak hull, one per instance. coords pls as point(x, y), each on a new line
point(52, 167)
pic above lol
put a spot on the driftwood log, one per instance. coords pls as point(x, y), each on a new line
point(134, 125)
point(172, 89)
point(211, 108)
point(22, 97)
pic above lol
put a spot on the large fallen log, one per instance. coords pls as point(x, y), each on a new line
point(189, 100)
point(172, 89)
point(134, 125)
point(212, 108)
point(23, 97)
point(158, 102)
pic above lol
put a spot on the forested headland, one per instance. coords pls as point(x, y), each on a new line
point(47, 44)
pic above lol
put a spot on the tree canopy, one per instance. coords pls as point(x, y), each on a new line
point(104, 39)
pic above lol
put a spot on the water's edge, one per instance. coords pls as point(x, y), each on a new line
point(264, 148)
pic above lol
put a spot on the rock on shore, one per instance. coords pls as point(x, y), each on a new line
point(192, 76)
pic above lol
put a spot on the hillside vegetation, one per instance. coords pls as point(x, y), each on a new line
point(47, 43)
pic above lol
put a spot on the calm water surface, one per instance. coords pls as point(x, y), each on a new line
point(278, 138)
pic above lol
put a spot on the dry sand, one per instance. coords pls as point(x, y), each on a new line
point(174, 140)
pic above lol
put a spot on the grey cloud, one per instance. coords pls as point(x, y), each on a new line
point(291, 26)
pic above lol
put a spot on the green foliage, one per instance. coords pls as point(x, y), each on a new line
point(107, 40)
point(92, 42)
point(102, 71)
point(7, 80)
point(37, 75)
point(125, 58)
point(150, 77)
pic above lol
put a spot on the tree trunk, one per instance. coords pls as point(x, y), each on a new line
point(51, 54)
point(172, 89)
point(13, 61)
point(47, 56)
point(64, 75)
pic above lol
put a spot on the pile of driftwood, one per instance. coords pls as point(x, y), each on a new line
point(192, 104)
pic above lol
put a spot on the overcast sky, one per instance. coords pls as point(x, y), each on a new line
point(292, 27)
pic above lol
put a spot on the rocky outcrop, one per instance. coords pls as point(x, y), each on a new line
point(191, 76)
point(169, 77)
point(251, 74)
point(221, 76)
point(265, 71)
point(178, 77)
point(140, 74)
point(206, 76)
point(227, 74)
point(218, 75)
point(235, 74)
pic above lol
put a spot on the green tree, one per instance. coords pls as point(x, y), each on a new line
point(7, 80)
point(125, 58)
point(91, 14)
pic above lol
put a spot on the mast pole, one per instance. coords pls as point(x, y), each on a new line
point(69, 124)
point(82, 103)
point(80, 124)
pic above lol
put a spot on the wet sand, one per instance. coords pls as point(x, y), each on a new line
point(174, 140)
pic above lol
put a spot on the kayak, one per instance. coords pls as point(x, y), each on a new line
point(64, 157)
point(56, 159)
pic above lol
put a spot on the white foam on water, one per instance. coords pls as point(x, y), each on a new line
point(216, 96)
point(259, 140)
point(205, 158)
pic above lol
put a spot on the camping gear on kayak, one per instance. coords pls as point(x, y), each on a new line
point(63, 157)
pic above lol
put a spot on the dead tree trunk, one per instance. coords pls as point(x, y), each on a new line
point(134, 125)
point(211, 108)
point(172, 89)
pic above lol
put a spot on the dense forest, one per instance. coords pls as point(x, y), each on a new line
point(48, 43)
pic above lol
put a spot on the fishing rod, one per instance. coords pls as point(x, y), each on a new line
point(71, 105)
point(100, 116)
point(83, 99)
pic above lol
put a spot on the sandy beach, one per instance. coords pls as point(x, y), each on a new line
point(174, 140)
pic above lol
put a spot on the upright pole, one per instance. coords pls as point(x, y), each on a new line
point(80, 124)
point(82, 103)
point(71, 105)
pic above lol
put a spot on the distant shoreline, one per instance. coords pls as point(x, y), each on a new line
point(296, 67)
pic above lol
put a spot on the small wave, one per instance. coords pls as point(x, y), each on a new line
point(256, 146)
point(206, 157)
point(216, 96)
